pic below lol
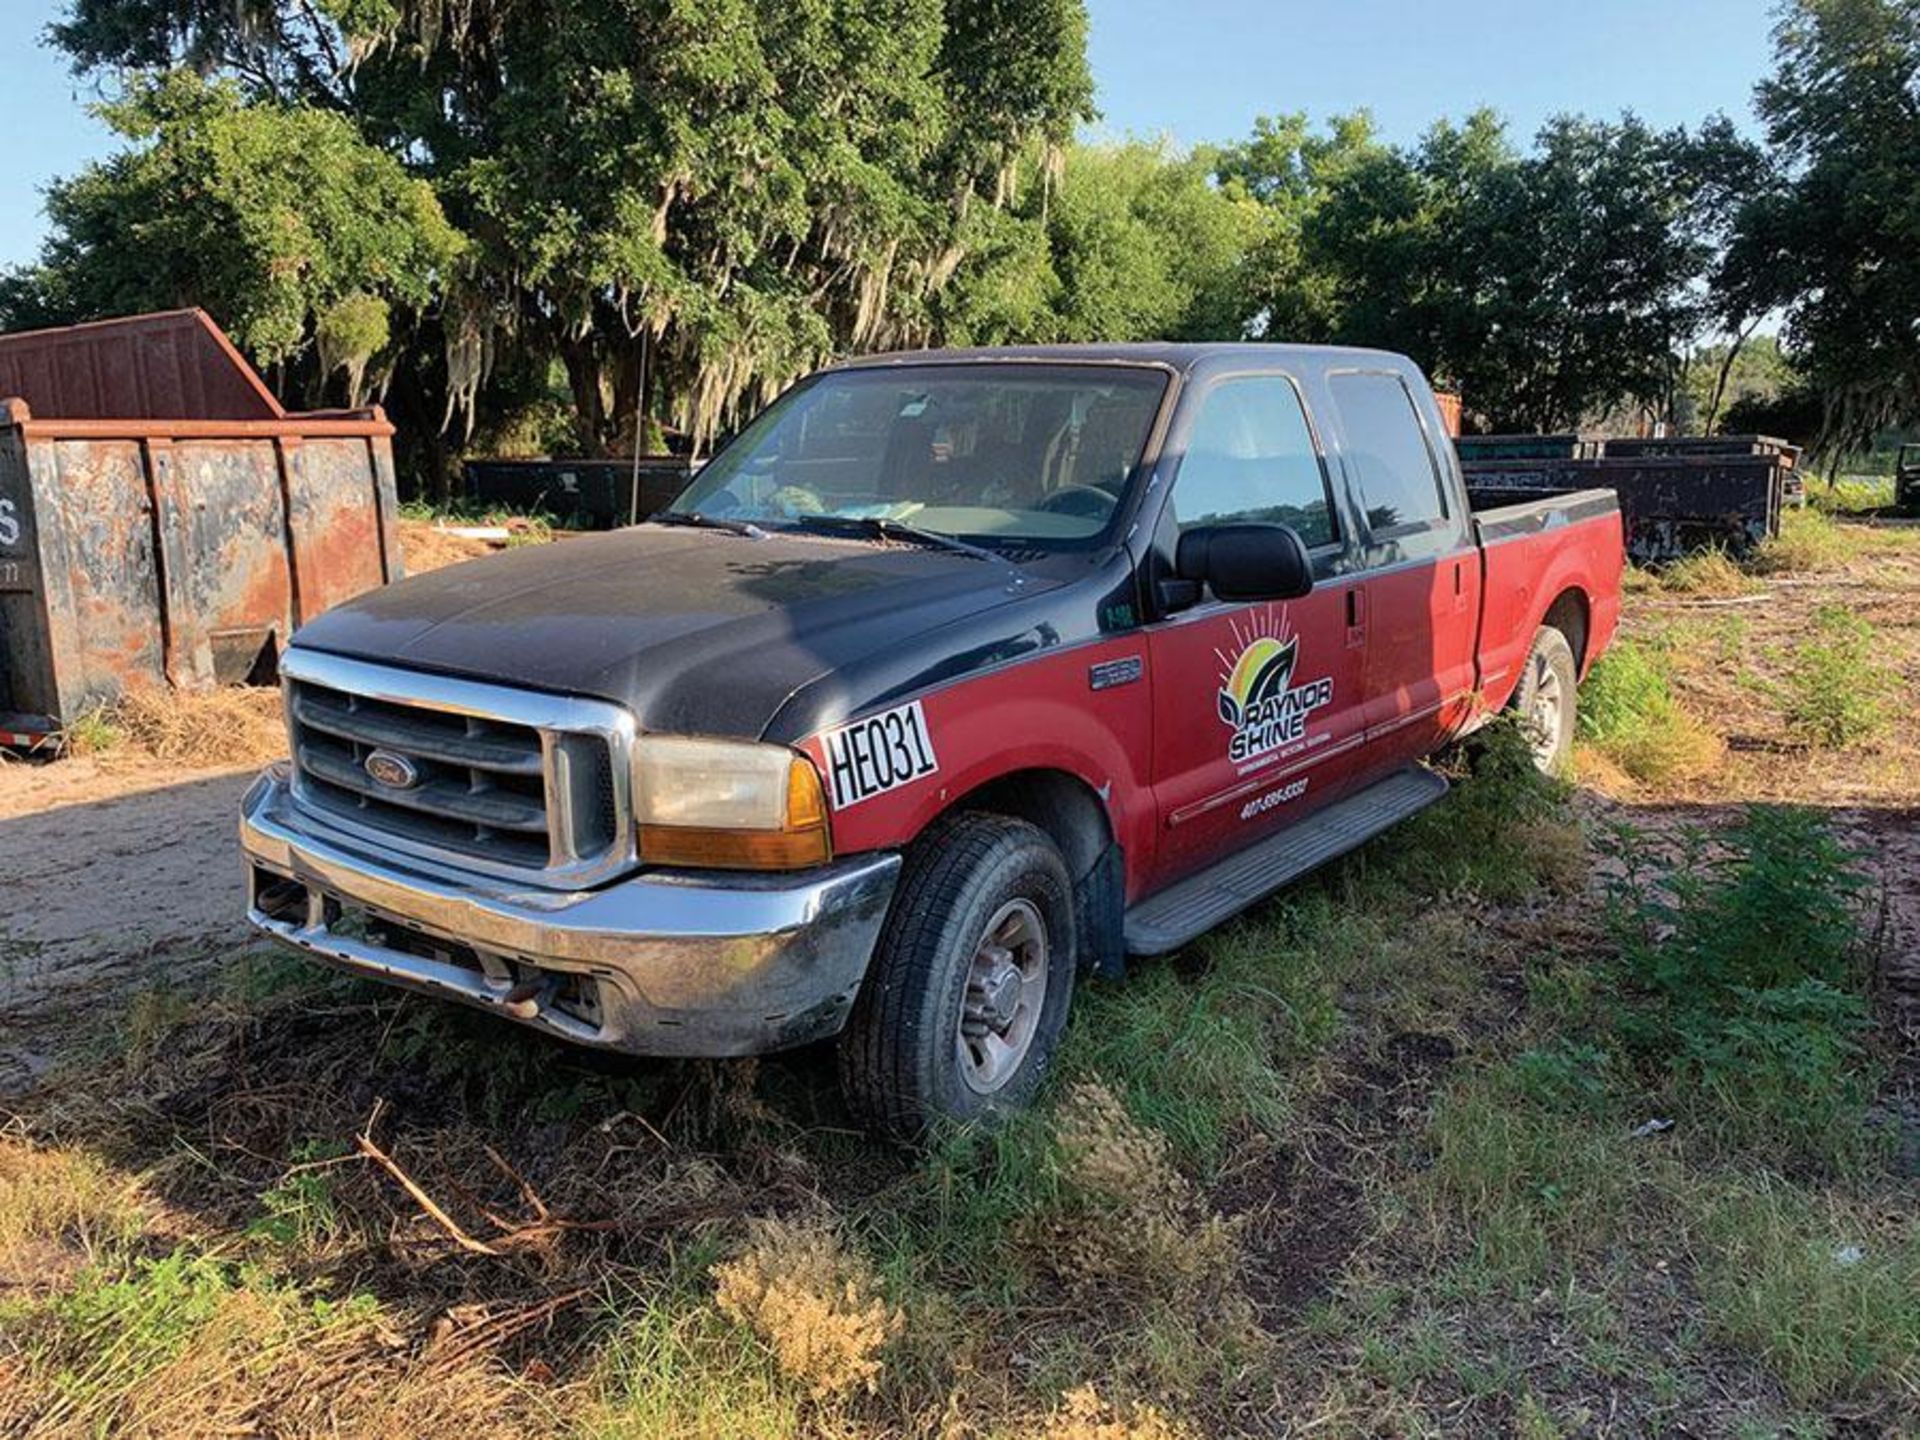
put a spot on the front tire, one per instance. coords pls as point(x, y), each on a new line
point(1546, 699)
point(963, 1009)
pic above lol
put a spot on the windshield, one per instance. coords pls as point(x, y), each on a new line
point(1031, 455)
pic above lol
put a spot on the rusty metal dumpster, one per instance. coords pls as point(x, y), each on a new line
point(180, 550)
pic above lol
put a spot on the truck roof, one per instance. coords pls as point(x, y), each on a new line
point(1180, 356)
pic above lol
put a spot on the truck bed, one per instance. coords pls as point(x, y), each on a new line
point(1501, 513)
point(1534, 547)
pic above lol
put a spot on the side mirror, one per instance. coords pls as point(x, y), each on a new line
point(1245, 562)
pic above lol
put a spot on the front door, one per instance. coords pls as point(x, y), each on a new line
point(1258, 714)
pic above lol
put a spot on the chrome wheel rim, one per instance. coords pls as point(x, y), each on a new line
point(1546, 713)
point(1006, 991)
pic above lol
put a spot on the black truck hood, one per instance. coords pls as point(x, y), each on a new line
point(696, 631)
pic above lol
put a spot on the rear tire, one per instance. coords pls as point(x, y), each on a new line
point(971, 980)
point(1546, 699)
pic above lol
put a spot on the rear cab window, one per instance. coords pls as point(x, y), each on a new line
point(1251, 459)
point(1396, 478)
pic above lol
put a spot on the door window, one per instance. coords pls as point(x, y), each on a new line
point(1251, 458)
point(1381, 438)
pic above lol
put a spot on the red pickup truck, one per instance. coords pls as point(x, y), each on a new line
point(954, 676)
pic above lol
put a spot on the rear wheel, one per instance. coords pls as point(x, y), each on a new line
point(963, 1009)
point(1546, 699)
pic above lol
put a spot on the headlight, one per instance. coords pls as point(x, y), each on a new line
point(728, 804)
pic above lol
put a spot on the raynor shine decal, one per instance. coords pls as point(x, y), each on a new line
point(880, 753)
point(1259, 702)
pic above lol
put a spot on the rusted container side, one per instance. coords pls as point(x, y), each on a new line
point(172, 366)
point(180, 552)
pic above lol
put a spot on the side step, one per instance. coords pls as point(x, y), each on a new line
point(1193, 906)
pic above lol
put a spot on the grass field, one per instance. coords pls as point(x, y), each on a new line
point(1560, 1111)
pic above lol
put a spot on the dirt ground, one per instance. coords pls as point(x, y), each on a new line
point(1730, 656)
point(111, 875)
point(119, 867)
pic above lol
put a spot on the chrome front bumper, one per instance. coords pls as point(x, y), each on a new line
point(665, 962)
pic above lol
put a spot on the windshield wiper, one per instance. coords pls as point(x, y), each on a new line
point(709, 522)
point(878, 527)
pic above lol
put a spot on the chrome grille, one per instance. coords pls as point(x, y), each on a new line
point(506, 782)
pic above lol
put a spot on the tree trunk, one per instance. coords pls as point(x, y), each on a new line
point(583, 379)
point(1726, 372)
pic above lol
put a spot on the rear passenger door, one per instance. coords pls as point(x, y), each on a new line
point(1257, 707)
point(1420, 565)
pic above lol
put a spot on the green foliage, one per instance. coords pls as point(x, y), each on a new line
point(350, 333)
point(1837, 693)
point(271, 216)
point(1628, 712)
point(1501, 833)
point(1708, 574)
point(123, 1323)
point(1546, 286)
point(1741, 376)
point(1517, 1154)
point(1809, 541)
point(671, 1366)
point(299, 1212)
point(1144, 247)
point(1564, 1075)
point(1196, 1052)
point(1837, 242)
point(1744, 973)
point(732, 189)
point(91, 732)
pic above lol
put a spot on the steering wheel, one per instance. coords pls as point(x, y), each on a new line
point(1085, 502)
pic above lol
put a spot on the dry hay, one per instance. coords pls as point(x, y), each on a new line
point(231, 725)
point(426, 546)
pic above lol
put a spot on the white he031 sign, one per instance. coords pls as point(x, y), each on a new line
point(880, 753)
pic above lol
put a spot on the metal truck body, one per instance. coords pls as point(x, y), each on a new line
point(1151, 629)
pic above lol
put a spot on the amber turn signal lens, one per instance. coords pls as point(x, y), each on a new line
point(804, 841)
point(734, 849)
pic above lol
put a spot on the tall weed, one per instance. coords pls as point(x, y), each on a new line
point(1629, 714)
point(1837, 693)
point(1743, 973)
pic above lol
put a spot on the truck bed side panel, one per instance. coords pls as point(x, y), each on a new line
point(1534, 554)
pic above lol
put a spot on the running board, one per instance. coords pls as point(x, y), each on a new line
point(1188, 909)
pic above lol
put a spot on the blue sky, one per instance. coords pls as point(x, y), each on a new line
point(1202, 70)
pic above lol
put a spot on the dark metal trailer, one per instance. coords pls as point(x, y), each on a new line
point(1677, 495)
point(580, 494)
point(164, 548)
point(1906, 480)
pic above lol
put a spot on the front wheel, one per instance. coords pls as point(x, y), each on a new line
point(1546, 698)
point(968, 994)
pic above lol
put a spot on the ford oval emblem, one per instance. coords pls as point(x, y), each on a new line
point(395, 772)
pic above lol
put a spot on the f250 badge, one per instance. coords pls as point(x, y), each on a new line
point(1258, 699)
point(880, 753)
